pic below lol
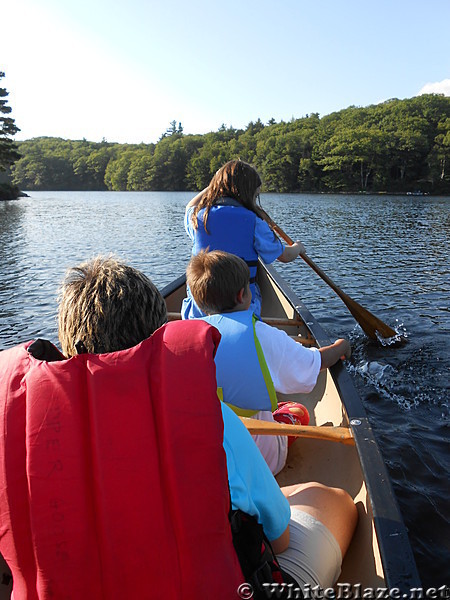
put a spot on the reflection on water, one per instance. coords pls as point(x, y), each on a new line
point(388, 253)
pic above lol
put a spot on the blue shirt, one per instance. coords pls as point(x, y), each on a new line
point(266, 244)
point(253, 488)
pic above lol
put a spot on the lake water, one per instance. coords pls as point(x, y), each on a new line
point(389, 253)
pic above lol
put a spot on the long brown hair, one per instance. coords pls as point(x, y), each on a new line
point(235, 179)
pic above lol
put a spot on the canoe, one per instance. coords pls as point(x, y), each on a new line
point(380, 555)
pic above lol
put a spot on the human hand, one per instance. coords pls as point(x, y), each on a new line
point(301, 248)
point(344, 347)
point(291, 252)
point(196, 199)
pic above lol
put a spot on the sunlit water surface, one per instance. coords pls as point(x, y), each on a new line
point(389, 253)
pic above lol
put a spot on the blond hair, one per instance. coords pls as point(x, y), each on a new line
point(215, 279)
point(106, 306)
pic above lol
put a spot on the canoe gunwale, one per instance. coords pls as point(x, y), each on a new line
point(398, 561)
point(174, 285)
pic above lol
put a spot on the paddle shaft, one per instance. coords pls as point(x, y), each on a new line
point(342, 435)
point(370, 324)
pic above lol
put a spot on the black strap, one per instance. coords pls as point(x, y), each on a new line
point(45, 350)
point(80, 347)
point(250, 264)
point(258, 561)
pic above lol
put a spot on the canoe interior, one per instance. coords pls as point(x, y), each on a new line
point(328, 462)
point(332, 463)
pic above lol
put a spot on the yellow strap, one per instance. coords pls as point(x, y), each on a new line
point(265, 369)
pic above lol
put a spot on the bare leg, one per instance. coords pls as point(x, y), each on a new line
point(333, 507)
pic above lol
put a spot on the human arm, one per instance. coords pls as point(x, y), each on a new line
point(294, 368)
point(291, 252)
point(253, 488)
point(341, 349)
point(274, 448)
point(196, 199)
point(280, 544)
point(270, 248)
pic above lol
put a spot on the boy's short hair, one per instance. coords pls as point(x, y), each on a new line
point(107, 306)
point(215, 278)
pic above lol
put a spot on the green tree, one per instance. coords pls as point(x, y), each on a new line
point(29, 172)
point(140, 168)
point(168, 170)
point(173, 130)
point(351, 156)
point(439, 157)
point(116, 174)
point(97, 162)
point(8, 149)
point(280, 149)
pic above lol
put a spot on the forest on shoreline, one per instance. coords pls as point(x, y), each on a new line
point(397, 146)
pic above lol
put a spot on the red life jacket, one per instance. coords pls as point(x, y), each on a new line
point(113, 480)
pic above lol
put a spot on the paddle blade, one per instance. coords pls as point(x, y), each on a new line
point(372, 326)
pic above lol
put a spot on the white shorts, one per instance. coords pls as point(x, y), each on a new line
point(313, 556)
point(274, 448)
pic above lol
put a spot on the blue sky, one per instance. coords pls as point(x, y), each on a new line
point(124, 70)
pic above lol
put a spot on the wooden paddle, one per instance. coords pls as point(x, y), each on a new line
point(332, 434)
point(370, 324)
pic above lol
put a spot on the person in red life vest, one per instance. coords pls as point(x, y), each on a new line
point(113, 475)
point(129, 400)
point(225, 216)
point(254, 360)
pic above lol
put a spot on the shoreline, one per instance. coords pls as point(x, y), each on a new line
point(11, 192)
point(22, 194)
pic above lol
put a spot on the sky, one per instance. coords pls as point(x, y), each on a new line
point(124, 70)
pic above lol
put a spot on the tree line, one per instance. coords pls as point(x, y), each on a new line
point(8, 149)
point(395, 146)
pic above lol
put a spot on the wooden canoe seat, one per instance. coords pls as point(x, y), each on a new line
point(305, 341)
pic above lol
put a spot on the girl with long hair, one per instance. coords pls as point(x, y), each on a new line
point(226, 216)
